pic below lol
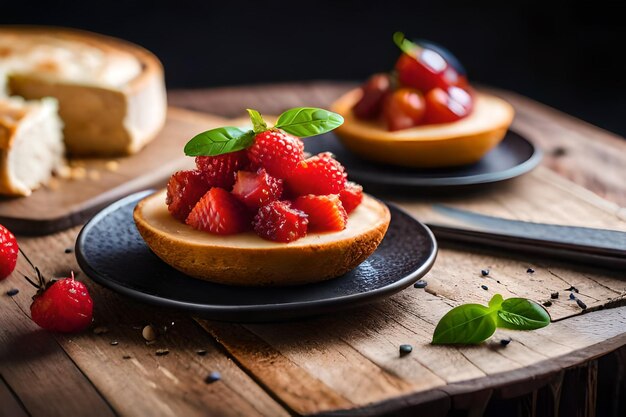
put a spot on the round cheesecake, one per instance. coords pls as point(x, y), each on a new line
point(439, 145)
point(111, 93)
point(246, 259)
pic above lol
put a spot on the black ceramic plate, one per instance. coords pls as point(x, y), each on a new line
point(514, 156)
point(112, 253)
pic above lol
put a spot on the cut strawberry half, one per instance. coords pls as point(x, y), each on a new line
point(278, 222)
point(219, 212)
point(277, 152)
point(351, 196)
point(220, 170)
point(320, 175)
point(326, 213)
point(256, 189)
point(184, 189)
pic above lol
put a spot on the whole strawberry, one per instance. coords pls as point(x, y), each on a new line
point(63, 306)
point(8, 252)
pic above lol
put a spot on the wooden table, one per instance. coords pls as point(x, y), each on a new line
point(335, 365)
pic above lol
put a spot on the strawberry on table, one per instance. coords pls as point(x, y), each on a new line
point(184, 189)
point(351, 196)
point(320, 174)
point(8, 252)
point(325, 212)
point(219, 212)
point(279, 222)
point(256, 189)
point(220, 170)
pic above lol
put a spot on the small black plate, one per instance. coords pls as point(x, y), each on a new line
point(514, 156)
point(112, 253)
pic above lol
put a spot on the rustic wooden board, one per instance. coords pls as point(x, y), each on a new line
point(68, 202)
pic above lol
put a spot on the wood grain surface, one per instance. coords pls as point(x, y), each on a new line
point(344, 364)
point(94, 183)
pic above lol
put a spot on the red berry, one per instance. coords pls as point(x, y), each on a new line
point(65, 306)
point(374, 90)
point(184, 189)
point(320, 175)
point(220, 170)
point(351, 196)
point(219, 212)
point(404, 108)
point(256, 189)
point(446, 106)
point(8, 252)
point(277, 152)
point(325, 212)
point(279, 222)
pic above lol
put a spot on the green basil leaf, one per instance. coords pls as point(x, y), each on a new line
point(465, 324)
point(522, 314)
point(404, 44)
point(258, 124)
point(308, 121)
point(495, 302)
point(219, 141)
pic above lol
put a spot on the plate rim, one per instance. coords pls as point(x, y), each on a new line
point(326, 304)
point(454, 181)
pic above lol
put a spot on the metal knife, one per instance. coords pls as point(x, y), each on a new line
point(599, 247)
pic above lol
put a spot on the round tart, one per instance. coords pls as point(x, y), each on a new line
point(439, 145)
point(246, 259)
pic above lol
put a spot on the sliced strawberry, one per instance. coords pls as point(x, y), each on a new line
point(184, 189)
point(219, 212)
point(277, 152)
point(320, 175)
point(256, 189)
point(351, 196)
point(326, 213)
point(220, 170)
point(278, 222)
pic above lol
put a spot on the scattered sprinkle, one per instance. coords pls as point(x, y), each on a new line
point(213, 377)
point(484, 272)
point(505, 342)
point(554, 295)
point(581, 304)
point(162, 352)
point(149, 333)
point(201, 352)
point(13, 292)
point(69, 250)
point(405, 349)
point(547, 303)
point(115, 343)
point(572, 288)
point(126, 357)
point(100, 330)
point(484, 287)
point(530, 271)
point(498, 281)
point(572, 296)
point(420, 284)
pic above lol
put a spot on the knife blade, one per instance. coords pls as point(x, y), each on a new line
point(599, 247)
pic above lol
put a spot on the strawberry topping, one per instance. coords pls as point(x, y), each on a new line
point(277, 152)
point(219, 212)
point(184, 189)
point(326, 213)
point(320, 174)
point(278, 222)
point(256, 189)
point(220, 170)
point(351, 196)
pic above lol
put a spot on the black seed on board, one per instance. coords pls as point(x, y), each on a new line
point(201, 352)
point(581, 304)
point(547, 303)
point(213, 377)
point(572, 288)
point(115, 343)
point(13, 292)
point(572, 296)
point(484, 272)
point(505, 342)
point(554, 295)
point(420, 284)
point(530, 271)
point(484, 287)
point(405, 349)
point(69, 250)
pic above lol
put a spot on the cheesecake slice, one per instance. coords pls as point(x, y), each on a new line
point(247, 259)
point(31, 144)
point(111, 93)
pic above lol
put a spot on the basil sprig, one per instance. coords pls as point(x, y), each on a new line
point(300, 121)
point(474, 323)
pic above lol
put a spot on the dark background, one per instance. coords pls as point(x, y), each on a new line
point(569, 56)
